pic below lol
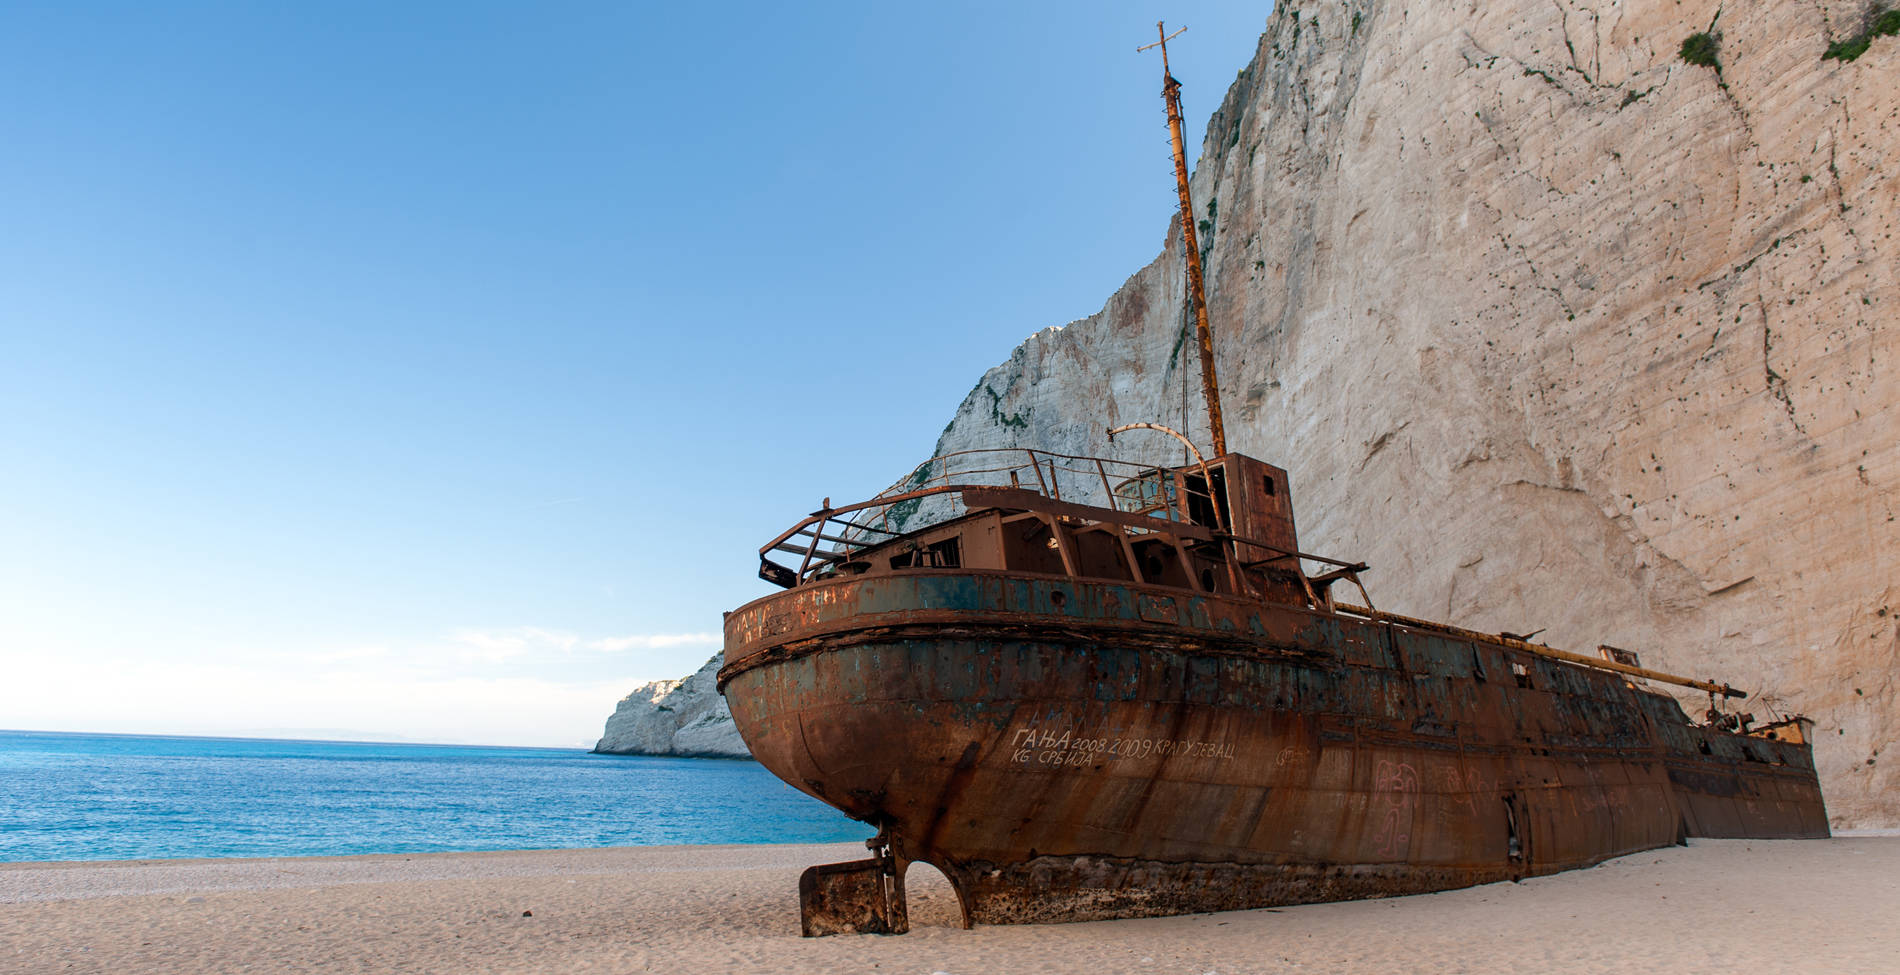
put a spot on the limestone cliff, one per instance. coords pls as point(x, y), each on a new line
point(1554, 329)
point(684, 717)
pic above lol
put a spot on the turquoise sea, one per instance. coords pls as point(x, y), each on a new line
point(114, 797)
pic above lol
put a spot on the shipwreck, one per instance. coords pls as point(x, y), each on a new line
point(1086, 688)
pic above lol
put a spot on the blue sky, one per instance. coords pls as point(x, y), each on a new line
point(436, 370)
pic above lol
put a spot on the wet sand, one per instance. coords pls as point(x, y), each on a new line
point(1715, 906)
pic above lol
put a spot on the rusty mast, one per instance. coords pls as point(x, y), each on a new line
point(1197, 298)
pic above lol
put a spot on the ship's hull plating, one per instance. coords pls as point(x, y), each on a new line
point(1069, 750)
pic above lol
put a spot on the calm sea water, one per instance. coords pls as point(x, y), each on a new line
point(109, 797)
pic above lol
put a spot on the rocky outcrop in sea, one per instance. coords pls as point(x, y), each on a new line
point(685, 718)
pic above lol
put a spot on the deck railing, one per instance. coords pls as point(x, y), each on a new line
point(933, 493)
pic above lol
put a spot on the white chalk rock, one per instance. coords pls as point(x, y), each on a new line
point(685, 718)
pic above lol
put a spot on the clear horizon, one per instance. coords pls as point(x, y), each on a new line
point(306, 735)
point(437, 370)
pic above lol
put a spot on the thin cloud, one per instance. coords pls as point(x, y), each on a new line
point(499, 645)
point(512, 685)
point(506, 644)
point(651, 641)
point(343, 655)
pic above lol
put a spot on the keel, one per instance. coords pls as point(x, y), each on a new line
point(855, 897)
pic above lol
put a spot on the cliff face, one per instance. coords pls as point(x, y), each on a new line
point(1555, 330)
point(685, 717)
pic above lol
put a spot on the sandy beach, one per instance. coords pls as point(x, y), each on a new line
point(1715, 906)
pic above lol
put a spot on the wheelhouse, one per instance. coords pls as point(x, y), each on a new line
point(1222, 526)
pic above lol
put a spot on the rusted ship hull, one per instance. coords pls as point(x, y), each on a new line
point(1066, 749)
